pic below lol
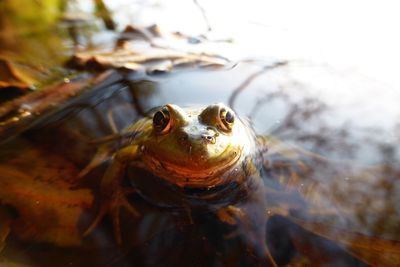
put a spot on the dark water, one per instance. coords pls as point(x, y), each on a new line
point(331, 178)
point(342, 191)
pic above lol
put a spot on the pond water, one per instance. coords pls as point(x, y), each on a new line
point(331, 165)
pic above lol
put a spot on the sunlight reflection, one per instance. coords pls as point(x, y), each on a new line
point(345, 52)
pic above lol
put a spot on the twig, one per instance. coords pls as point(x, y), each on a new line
point(249, 79)
point(203, 13)
point(104, 14)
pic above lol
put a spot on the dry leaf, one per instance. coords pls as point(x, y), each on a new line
point(13, 77)
point(158, 52)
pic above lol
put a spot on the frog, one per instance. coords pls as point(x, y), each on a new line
point(199, 157)
point(203, 149)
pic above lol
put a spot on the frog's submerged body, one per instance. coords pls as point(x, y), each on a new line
point(195, 158)
point(201, 164)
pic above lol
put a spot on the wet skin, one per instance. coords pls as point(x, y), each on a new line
point(189, 148)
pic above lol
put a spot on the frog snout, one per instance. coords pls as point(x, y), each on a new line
point(189, 140)
point(197, 136)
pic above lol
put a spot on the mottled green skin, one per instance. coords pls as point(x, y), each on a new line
point(198, 149)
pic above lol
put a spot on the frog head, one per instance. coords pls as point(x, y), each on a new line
point(195, 147)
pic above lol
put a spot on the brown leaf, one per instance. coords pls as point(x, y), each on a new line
point(150, 56)
point(47, 212)
point(16, 115)
point(13, 77)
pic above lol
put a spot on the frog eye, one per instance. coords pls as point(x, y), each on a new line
point(162, 121)
point(227, 118)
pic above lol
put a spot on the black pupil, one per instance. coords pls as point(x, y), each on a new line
point(229, 117)
point(160, 120)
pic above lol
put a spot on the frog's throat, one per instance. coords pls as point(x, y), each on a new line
point(185, 176)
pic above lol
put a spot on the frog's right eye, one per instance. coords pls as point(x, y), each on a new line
point(162, 121)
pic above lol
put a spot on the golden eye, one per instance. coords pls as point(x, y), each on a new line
point(227, 118)
point(162, 121)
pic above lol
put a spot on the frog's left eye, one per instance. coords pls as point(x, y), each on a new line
point(227, 118)
point(162, 121)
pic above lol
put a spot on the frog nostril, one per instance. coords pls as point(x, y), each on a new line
point(209, 138)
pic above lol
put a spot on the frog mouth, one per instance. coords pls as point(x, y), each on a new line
point(209, 173)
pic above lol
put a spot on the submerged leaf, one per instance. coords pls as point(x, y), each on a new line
point(48, 208)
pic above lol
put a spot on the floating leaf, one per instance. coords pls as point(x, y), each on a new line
point(11, 76)
point(148, 50)
point(19, 114)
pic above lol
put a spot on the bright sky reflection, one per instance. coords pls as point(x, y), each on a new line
point(348, 50)
point(358, 35)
